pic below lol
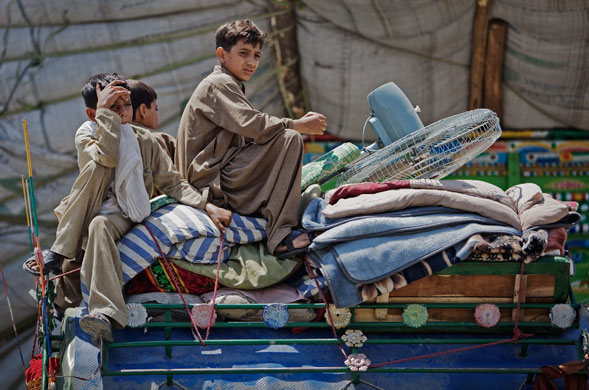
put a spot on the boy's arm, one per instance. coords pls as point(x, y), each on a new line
point(101, 146)
point(227, 107)
point(311, 123)
point(169, 181)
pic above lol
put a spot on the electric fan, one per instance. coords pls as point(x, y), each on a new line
point(431, 152)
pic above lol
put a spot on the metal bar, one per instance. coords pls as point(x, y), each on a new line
point(235, 325)
point(295, 370)
point(45, 368)
point(185, 343)
point(363, 305)
point(451, 324)
point(382, 325)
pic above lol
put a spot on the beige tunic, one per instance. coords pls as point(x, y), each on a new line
point(250, 160)
point(77, 213)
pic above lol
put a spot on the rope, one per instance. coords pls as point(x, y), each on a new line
point(310, 272)
point(65, 273)
point(219, 255)
point(175, 282)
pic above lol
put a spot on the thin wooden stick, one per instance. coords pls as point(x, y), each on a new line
point(31, 185)
point(24, 192)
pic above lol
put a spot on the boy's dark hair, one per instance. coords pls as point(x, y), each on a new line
point(231, 32)
point(141, 93)
point(102, 79)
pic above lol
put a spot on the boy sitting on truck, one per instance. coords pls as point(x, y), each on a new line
point(251, 161)
point(145, 113)
point(120, 166)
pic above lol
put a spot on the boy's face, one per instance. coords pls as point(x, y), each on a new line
point(124, 108)
point(242, 60)
point(147, 116)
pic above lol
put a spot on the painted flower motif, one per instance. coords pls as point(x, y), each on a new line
point(137, 315)
point(354, 338)
point(562, 315)
point(487, 315)
point(275, 315)
point(415, 315)
point(341, 317)
point(357, 362)
point(201, 314)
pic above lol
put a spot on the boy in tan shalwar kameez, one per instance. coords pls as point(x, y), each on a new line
point(251, 161)
point(120, 167)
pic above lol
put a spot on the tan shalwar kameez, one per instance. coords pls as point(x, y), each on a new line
point(250, 160)
point(77, 214)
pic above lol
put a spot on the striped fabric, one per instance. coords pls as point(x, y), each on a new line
point(183, 232)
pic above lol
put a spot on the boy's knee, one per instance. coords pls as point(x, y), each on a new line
point(293, 136)
point(92, 168)
point(98, 223)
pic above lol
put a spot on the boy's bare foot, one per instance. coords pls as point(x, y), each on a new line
point(296, 242)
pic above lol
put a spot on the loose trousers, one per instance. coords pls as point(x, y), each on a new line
point(266, 179)
point(100, 263)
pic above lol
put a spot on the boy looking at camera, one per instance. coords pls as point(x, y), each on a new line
point(251, 161)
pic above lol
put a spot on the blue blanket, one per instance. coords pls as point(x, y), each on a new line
point(356, 251)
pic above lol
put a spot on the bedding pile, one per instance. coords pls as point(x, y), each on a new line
point(368, 239)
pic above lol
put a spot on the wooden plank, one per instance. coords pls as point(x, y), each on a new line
point(475, 286)
point(520, 286)
point(477, 62)
point(283, 25)
point(381, 314)
point(544, 265)
point(446, 299)
point(493, 73)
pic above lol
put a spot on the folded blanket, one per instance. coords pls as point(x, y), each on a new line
point(157, 278)
point(492, 247)
point(184, 232)
point(477, 188)
point(248, 267)
point(403, 198)
point(349, 264)
point(536, 208)
point(522, 206)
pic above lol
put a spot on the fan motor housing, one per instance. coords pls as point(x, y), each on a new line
point(392, 115)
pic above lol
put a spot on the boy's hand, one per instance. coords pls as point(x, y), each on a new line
point(311, 123)
point(109, 95)
point(220, 217)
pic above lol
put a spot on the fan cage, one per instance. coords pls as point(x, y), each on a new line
point(432, 152)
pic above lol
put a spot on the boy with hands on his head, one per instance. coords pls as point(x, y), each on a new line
point(120, 167)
